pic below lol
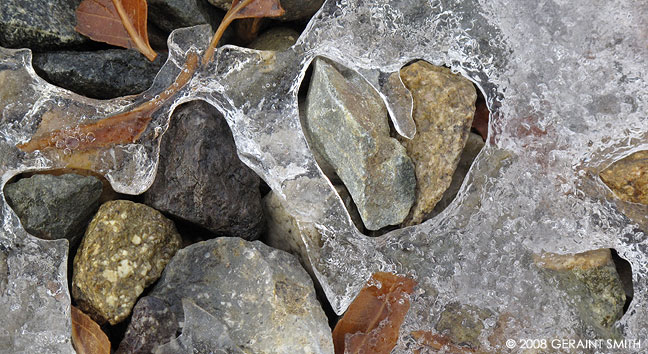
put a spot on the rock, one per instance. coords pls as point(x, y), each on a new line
point(152, 322)
point(444, 106)
point(171, 14)
point(295, 9)
point(201, 179)
point(628, 178)
point(100, 74)
point(462, 324)
point(39, 25)
point(279, 38)
point(591, 280)
point(264, 298)
point(124, 250)
point(54, 207)
point(347, 122)
point(474, 144)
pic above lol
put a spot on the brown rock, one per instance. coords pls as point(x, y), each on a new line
point(124, 250)
point(444, 106)
point(628, 178)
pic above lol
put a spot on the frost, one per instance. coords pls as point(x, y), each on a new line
point(566, 83)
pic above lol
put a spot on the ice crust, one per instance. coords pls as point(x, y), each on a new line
point(565, 82)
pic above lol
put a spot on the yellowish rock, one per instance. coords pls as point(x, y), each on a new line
point(628, 178)
point(444, 106)
point(124, 250)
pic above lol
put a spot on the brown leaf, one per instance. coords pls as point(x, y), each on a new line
point(123, 128)
point(117, 22)
point(372, 321)
point(87, 336)
point(242, 9)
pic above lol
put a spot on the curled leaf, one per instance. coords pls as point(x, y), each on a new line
point(117, 22)
point(372, 321)
point(87, 336)
point(243, 9)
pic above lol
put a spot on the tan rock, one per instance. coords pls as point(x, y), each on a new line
point(444, 106)
point(124, 250)
point(628, 178)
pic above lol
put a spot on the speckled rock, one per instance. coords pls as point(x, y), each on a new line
point(201, 179)
point(263, 296)
point(591, 280)
point(124, 250)
point(444, 106)
point(278, 38)
point(628, 178)
point(347, 123)
point(295, 9)
point(171, 14)
point(99, 74)
point(39, 24)
point(462, 324)
point(152, 322)
point(474, 144)
point(53, 207)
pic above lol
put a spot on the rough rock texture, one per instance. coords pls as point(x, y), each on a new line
point(462, 324)
point(295, 9)
point(474, 144)
point(171, 14)
point(444, 106)
point(263, 297)
point(124, 250)
point(348, 124)
point(278, 38)
point(100, 74)
point(200, 177)
point(591, 279)
point(39, 24)
point(152, 322)
point(628, 178)
point(53, 207)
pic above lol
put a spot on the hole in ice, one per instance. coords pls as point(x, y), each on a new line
point(624, 269)
point(387, 181)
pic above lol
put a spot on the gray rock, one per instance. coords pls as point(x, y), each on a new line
point(347, 122)
point(263, 297)
point(54, 207)
point(462, 324)
point(278, 38)
point(39, 24)
point(101, 74)
point(200, 177)
point(295, 9)
point(152, 322)
point(171, 14)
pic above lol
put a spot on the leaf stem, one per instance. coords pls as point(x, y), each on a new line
point(132, 32)
point(227, 20)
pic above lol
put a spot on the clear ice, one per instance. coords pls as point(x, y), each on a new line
point(565, 82)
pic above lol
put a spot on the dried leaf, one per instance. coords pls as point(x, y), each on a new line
point(372, 321)
point(87, 336)
point(123, 128)
point(243, 9)
point(117, 22)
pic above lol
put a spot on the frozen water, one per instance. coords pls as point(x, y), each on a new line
point(565, 82)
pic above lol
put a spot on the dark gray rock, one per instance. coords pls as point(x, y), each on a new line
point(101, 74)
point(279, 38)
point(295, 9)
point(201, 179)
point(39, 24)
point(171, 14)
point(55, 207)
point(263, 296)
point(152, 322)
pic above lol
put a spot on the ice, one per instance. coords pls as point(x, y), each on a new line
point(565, 82)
